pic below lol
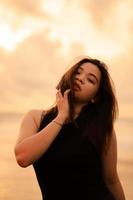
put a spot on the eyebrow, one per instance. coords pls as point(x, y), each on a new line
point(90, 74)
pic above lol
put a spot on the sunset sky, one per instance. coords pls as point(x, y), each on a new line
point(39, 39)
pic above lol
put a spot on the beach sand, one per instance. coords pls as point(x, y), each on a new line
point(20, 183)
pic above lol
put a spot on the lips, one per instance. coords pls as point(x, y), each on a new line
point(77, 86)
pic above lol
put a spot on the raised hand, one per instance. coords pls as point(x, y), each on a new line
point(63, 104)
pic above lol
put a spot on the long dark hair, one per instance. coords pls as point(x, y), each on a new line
point(98, 118)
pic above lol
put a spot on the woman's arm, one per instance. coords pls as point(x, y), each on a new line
point(32, 144)
point(109, 161)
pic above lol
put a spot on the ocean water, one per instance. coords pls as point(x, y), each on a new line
point(10, 123)
point(124, 133)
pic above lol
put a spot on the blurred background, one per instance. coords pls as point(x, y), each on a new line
point(39, 40)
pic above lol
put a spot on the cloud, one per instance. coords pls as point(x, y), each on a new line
point(32, 70)
point(33, 60)
point(24, 7)
point(112, 21)
point(100, 11)
point(2, 56)
point(121, 71)
point(99, 28)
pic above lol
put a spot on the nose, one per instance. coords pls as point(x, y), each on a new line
point(81, 79)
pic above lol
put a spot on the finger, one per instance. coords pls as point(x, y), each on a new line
point(66, 93)
point(58, 95)
point(59, 92)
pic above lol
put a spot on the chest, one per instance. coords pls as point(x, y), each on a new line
point(70, 147)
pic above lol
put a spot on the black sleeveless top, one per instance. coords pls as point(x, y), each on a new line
point(71, 167)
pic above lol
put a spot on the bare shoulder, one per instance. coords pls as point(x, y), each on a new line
point(36, 115)
point(30, 124)
point(111, 144)
point(109, 159)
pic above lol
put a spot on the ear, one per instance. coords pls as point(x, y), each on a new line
point(93, 100)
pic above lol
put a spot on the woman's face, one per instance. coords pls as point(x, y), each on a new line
point(86, 82)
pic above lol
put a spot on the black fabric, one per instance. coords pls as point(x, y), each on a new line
point(71, 168)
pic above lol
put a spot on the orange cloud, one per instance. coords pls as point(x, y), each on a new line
point(112, 21)
point(24, 7)
point(33, 68)
point(45, 41)
point(101, 11)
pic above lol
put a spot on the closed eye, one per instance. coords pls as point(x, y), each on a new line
point(77, 72)
point(90, 80)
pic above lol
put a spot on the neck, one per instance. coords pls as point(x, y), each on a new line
point(77, 109)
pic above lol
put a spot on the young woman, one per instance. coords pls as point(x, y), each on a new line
point(72, 146)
